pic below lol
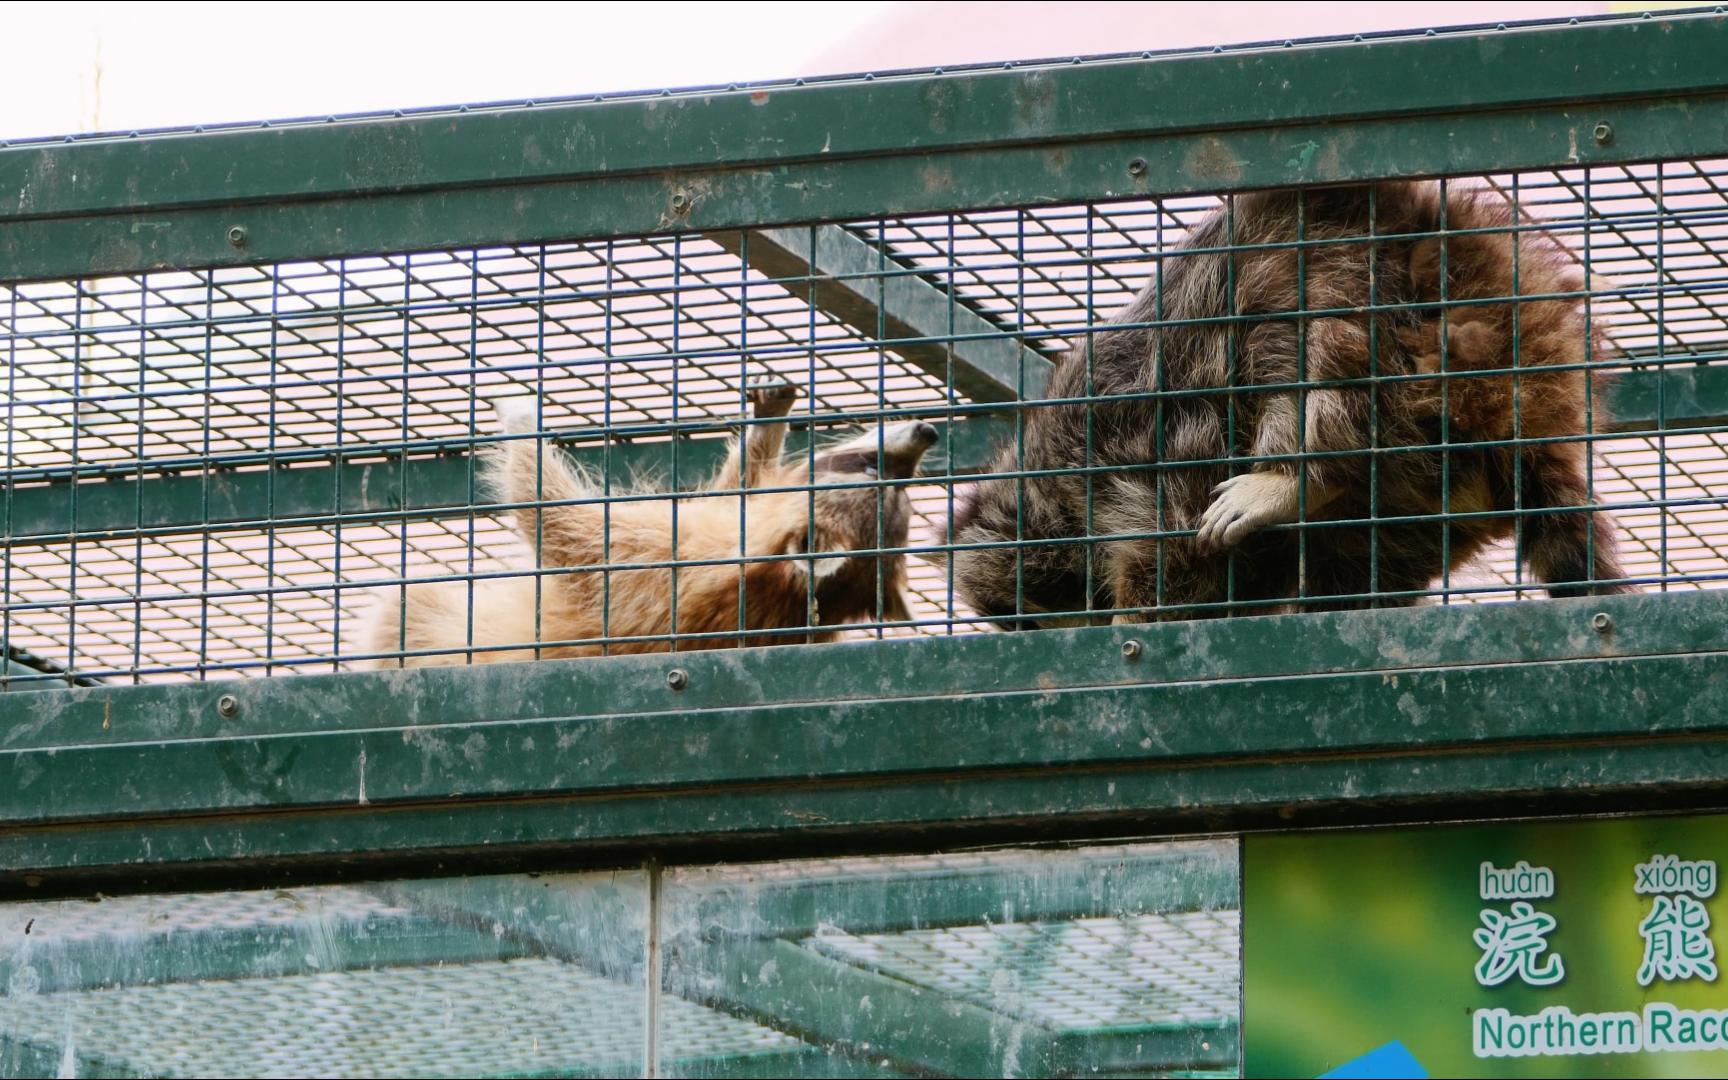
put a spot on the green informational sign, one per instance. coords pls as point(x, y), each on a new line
point(1574, 949)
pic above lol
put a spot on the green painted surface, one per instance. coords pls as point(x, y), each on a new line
point(1187, 723)
point(1225, 716)
point(1481, 69)
point(1390, 917)
point(825, 190)
point(1479, 101)
point(914, 813)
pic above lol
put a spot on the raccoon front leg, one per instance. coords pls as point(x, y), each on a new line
point(1277, 492)
point(1244, 503)
point(1271, 494)
point(758, 449)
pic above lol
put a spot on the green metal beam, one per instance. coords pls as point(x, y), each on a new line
point(1045, 887)
point(1083, 727)
point(1469, 70)
point(1488, 100)
point(265, 951)
point(20, 1057)
point(1147, 1051)
point(813, 1063)
point(817, 998)
point(34, 672)
point(305, 491)
point(1670, 396)
point(1211, 720)
point(844, 275)
point(312, 492)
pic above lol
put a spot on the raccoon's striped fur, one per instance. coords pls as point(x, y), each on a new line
point(1374, 289)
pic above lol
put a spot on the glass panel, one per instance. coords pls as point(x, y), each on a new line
point(505, 975)
point(1101, 961)
point(1119, 960)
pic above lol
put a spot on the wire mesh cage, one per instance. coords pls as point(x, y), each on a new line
point(301, 466)
point(1438, 325)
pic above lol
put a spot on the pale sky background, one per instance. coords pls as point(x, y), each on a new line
point(108, 66)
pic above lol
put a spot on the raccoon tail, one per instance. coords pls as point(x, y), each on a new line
point(443, 623)
point(1573, 553)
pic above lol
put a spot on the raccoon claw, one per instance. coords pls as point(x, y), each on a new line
point(1243, 504)
point(517, 415)
point(770, 396)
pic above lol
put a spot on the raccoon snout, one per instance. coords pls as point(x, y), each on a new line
point(905, 445)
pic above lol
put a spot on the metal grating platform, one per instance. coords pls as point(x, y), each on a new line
point(535, 1016)
point(545, 974)
point(1174, 970)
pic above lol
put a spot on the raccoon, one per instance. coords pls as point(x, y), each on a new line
point(1373, 264)
point(785, 507)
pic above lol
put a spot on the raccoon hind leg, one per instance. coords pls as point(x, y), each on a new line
point(553, 505)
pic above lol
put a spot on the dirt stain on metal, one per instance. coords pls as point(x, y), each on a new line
point(1211, 160)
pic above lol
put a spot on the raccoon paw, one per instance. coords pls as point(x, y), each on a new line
point(517, 415)
point(1244, 503)
point(771, 396)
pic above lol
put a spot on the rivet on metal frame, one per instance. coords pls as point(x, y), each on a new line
point(228, 706)
point(677, 678)
point(1602, 622)
point(1137, 167)
point(1131, 650)
point(1603, 133)
point(237, 235)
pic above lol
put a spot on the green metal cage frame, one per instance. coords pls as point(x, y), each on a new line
point(1551, 708)
point(1509, 700)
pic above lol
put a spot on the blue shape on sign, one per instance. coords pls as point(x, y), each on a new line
point(1389, 1062)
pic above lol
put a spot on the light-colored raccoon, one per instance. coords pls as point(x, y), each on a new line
point(787, 509)
point(1228, 346)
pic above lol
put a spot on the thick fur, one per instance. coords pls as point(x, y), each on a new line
point(1251, 361)
point(583, 530)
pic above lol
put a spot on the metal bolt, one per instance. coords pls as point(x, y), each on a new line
point(1137, 167)
point(677, 678)
point(1603, 134)
point(680, 201)
point(1602, 622)
point(237, 235)
point(228, 705)
point(1131, 650)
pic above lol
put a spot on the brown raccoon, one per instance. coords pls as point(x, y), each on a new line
point(1248, 264)
point(818, 518)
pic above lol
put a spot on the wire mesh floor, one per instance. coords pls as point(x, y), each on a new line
point(1154, 970)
